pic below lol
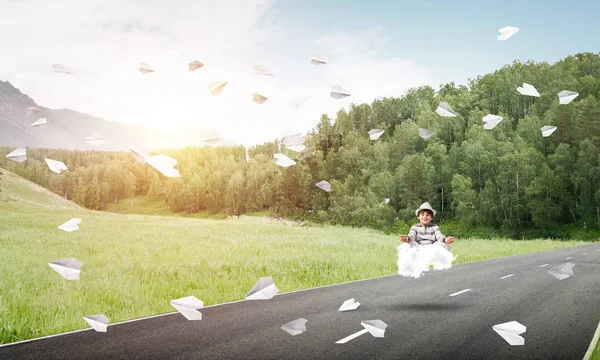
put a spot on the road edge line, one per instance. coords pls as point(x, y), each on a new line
point(590, 351)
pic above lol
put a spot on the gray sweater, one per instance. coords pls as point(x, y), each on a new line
point(425, 235)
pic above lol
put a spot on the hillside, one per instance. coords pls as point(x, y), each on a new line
point(18, 191)
point(67, 129)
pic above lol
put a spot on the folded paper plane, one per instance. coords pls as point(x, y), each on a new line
point(294, 140)
point(18, 155)
point(216, 87)
point(189, 307)
point(338, 92)
point(32, 110)
point(297, 148)
point(445, 110)
point(547, 130)
point(56, 166)
point(565, 96)
point(258, 98)
point(318, 61)
point(373, 327)
point(295, 327)
point(263, 289)
point(283, 160)
point(195, 65)
point(562, 271)
point(324, 185)
point(510, 332)
point(261, 70)
point(506, 32)
point(97, 322)
point(349, 304)
point(60, 68)
point(374, 134)
point(145, 68)
point(68, 268)
point(528, 90)
point(140, 155)
point(71, 225)
point(490, 121)
point(300, 99)
point(425, 134)
point(164, 164)
point(95, 140)
point(40, 121)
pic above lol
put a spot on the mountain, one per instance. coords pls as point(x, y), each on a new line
point(67, 129)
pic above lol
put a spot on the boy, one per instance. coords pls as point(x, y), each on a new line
point(413, 257)
point(426, 232)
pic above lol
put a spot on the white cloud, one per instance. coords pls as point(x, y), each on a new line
point(104, 42)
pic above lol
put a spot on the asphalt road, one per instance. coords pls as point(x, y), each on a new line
point(424, 322)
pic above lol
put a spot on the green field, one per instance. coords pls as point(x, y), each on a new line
point(133, 265)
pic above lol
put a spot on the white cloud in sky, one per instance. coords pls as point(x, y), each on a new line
point(104, 42)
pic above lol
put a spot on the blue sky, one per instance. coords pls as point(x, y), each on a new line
point(457, 37)
point(373, 49)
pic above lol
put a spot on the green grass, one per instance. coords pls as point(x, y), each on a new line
point(133, 265)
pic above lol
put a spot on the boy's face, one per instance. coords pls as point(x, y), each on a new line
point(425, 217)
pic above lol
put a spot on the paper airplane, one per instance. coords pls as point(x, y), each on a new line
point(164, 164)
point(189, 307)
point(283, 160)
point(216, 87)
point(60, 68)
point(295, 327)
point(71, 225)
point(140, 155)
point(145, 68)
point(195, 65)
point(56, 166)
point(32, 110)
point(97, 322)
point(18, 155)
point(263, 289)
point(40, 121)
point(562, 271)
point(258, 98)
point(425, 134)
point(68, 268)
point(528, 90)
point(547, 130)
point(297, 148)
point(349, 304)
point(318, 61)
point(374, 327)
point(490, 121)
point(324, 185)
point(212, 140)
point(565, 96)
point(294, 140)
point(506, 32)
point(374, 134)
point(338, 92)
point(510, 332)
point(300, 99)
point(445, 110)
point(95, 140)
point(261, 70)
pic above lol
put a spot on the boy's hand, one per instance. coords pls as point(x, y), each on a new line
point(404, 238)
point(449, 239)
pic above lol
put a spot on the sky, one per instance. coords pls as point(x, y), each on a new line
point(372, 48)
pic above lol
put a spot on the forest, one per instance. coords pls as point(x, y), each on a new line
point(509, 178)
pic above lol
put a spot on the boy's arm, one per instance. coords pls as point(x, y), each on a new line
point(412, 236)
point(438, 235)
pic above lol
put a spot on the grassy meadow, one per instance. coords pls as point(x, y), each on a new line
point(133, 265)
